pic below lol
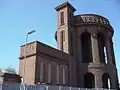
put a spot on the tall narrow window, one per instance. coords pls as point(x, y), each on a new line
point(49, 73)
point(64, 76)
point(70, 16)
point(41, 72)
point(61, 75)
point(45, 74)
point(53, 73)
point(106, 81)
point(62, 18)
point(71, 44)
point(86, 47)
point(57, 74)
point(112, 50)
point(63, 35)
point(62, 39)
point(101, 45)
point(105, 53)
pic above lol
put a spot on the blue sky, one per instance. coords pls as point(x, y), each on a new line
point(17, 17)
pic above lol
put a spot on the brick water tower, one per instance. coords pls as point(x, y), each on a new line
point(87, 39)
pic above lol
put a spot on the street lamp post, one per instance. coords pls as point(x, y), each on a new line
point(25, 52)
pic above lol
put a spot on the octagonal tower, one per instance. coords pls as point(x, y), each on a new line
point(87, 39)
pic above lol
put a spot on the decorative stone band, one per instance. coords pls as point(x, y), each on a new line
point(86, 19)
point(90, 19)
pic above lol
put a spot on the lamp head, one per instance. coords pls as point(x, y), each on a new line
point(31, 32)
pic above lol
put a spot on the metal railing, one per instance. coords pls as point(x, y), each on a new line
point(15, 86)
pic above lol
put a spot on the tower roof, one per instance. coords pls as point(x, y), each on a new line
point(64, 5)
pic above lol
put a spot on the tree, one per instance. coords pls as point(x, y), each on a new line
point(7, 70)
point(10, 70)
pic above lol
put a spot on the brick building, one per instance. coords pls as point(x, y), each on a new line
point(84, 58)
point(11, 78)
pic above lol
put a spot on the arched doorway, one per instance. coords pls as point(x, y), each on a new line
point(89, 80)
point(106, 81)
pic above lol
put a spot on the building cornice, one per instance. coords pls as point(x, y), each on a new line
point(64, 5)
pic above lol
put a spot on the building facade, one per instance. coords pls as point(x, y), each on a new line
point(84, 56)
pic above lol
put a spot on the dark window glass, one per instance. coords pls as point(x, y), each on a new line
point(86, 47)
point(62, 18)
point(106, 81)
point(62, 39)
point(102, 48)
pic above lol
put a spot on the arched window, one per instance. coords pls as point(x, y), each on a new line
point(86, 47)
point(89, 80)
point(106, 81)
point(102, 48)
